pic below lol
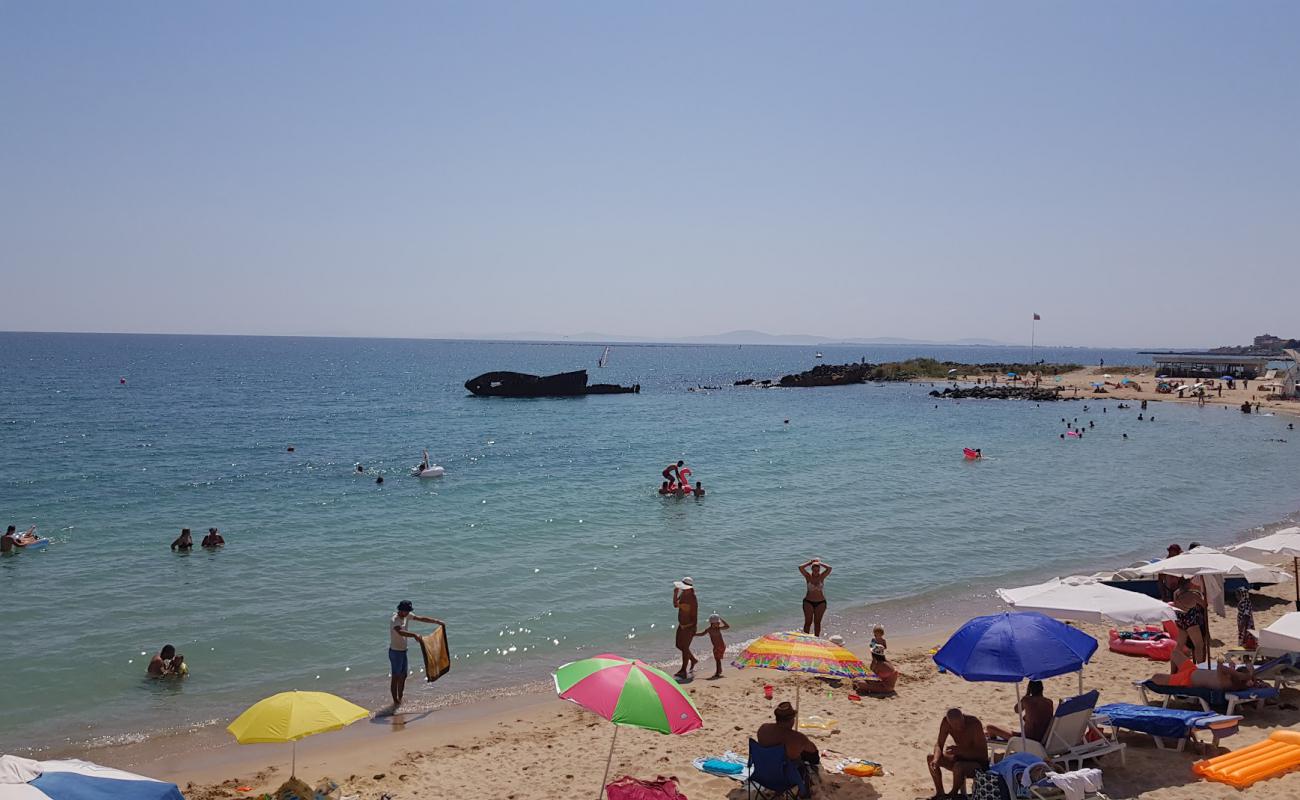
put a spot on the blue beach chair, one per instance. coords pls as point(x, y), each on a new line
point(1208, 699)
point(773, 776)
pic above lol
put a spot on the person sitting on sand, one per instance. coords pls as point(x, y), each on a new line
point(814, 599)
point(1035, 710)
point(688, 609)
point(716, 626)
point(968, 752)
point(802, 756)
point(214, 539)
point(884, 675)
point(1223, 677)
point(166, 662)
point(184, 541)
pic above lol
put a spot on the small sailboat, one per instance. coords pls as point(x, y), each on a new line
point(604, 358)
point(819, 355)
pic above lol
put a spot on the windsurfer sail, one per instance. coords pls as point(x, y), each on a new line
point(604, 358)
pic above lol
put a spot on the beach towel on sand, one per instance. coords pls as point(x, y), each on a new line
point(437, 658)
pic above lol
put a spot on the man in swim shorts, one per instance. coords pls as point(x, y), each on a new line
point(968, 752)
point(397, 636)
point(672, 472)
point(166, 662)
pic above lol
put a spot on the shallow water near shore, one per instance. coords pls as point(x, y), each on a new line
point(545, 542)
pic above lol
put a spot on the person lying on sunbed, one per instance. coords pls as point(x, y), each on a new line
point(1223, 677)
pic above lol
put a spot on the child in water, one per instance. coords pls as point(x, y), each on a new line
point(716, 626)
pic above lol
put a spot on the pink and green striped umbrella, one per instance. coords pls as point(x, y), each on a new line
point(628, 692)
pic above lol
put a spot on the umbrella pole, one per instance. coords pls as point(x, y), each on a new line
point(1020, 709)
point(293, 769)
point(796, 706)
point(608, 761)
point(1295, 565)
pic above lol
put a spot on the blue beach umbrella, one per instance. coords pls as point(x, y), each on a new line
point(25, 779)
point(1011, 647)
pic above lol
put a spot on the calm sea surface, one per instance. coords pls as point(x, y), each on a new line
point(545, 540)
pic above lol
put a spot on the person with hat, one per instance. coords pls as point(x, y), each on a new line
point(688, 609)
point(397, 636)
point(716, 626)
point(801, 754)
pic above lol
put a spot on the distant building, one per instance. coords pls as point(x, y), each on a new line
point(1269, 342)
point(1209, 365)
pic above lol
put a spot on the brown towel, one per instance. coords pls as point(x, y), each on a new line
point(437, 658)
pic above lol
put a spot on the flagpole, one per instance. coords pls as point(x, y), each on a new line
point(1033, 331)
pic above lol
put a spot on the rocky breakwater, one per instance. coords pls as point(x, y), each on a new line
point(1001, 393)
point(830, 375)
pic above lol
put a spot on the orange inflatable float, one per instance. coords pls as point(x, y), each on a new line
point(1278, 754)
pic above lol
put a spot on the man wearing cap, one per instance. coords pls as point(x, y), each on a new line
point(800, 752)
point(688, 608)
point(397, 636)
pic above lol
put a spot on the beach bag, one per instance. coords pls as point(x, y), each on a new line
point(989, 785)
point(629, 788)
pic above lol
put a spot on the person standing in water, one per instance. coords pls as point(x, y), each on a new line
point(688, 609)
point(397, 636)
point(814, 601)
point(184, 541)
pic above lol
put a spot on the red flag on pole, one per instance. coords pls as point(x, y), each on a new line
point(1037, 318)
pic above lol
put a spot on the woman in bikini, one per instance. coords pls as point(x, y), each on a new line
point(814, 601)
point(1189, 613)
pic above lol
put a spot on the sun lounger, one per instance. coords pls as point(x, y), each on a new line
point(1172, 724)
point(1072, 736)
point(1207, 698)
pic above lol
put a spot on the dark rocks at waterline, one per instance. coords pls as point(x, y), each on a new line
point(1001, 393)
point(830, 375)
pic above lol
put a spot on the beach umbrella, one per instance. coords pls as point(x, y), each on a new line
point(1207, 561)
point(1285, 542)
point(1009, 648)
point(1283, 634)
point(26, 779)
point(290, 716)
point(627, 692)
point(1083, 599)
point(792, 651)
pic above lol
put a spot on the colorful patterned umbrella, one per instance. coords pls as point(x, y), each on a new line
point(627, 692)
point(801, 652)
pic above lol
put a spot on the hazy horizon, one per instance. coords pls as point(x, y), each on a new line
point(921, 171)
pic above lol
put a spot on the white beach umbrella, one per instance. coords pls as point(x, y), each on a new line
point(1285, 542)
point(1082, 599)
point(26, 779)
point(1283, 635)
point(1205, 561)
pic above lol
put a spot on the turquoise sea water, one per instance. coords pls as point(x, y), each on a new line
point(545, 541)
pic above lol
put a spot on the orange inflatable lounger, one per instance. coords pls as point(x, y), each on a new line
point(1277, 754)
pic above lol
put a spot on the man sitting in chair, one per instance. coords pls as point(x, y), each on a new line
point(968, 752)
point(799, 749)
point(1037, 712)
point(1223, 677)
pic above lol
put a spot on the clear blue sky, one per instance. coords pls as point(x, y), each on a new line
point(1131, 171)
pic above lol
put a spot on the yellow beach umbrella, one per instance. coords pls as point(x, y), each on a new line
point(290, 716)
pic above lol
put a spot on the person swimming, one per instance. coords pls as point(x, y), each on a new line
point(663, 488)
point(699, 489)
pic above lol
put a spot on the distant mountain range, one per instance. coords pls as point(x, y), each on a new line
point(731, 337)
